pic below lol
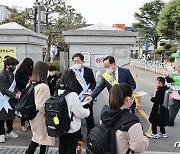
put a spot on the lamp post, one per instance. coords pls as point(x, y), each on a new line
point(40, 7)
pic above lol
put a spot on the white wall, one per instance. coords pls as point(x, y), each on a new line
point(120, 52)
point(27, 50)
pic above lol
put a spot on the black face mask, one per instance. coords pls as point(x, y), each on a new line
point(12, 68)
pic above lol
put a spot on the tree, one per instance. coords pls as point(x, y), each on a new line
point(58, 17)
point(148, 21)
point(20, 18)
point(67, 19)
point(165, 49)
point(169, 20)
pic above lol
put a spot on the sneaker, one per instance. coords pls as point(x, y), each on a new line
point(2, 138)
point(24, 129)
point(155, 136)
point(164, 135)
point(12, 134)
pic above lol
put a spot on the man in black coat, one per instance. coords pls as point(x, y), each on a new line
point(10, 95)
point(87, 74)
point(121, 75)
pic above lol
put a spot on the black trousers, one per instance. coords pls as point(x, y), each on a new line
point(32, 147)
point(154, 129)
point(89, 122)
point(9, 124)
point(68, 143)
point(22, 122)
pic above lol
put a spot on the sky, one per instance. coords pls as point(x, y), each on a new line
point(107, 12)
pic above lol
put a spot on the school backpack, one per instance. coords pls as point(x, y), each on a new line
point(25, 107)
point(57, 117)
point(102, 138)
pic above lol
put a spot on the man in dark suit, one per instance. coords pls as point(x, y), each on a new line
point(87, 74)
point(121, 75)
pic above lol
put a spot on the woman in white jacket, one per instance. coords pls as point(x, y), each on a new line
point(68, 142)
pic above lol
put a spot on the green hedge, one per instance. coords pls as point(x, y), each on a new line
point(56, 63)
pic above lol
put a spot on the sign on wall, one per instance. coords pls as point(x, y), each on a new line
point(176, 78)
point(6, 51)
point(99, 60)
point(87, 59)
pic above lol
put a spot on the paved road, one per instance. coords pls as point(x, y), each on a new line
point(145, 82)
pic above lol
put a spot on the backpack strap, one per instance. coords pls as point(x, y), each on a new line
point(66, 92)
point(125, 121)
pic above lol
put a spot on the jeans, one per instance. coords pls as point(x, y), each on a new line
point(9, 124)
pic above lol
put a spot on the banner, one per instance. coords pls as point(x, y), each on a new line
point(176, 78)
point(99, 60)
point(6, 51)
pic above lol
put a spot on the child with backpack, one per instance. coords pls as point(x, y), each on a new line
point(125, 131)
point(159, 115)
point(38, 125)
point(68, 142)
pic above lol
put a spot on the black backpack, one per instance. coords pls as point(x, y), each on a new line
point(102, 138)
point(25, 107)
point(57, 117)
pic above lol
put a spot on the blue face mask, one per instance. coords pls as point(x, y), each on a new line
point(12, 68)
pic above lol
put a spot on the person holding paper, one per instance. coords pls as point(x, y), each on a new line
point(8, 96)
point(86, 84)
point(113, 76)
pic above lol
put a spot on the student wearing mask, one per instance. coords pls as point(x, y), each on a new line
point(52, 79)
point(8, 97)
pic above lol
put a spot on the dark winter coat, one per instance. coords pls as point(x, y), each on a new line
point(52, 83)
point(6, 79)
point(158, 115)
point(22, 78)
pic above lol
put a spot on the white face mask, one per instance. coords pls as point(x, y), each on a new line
point(109, 70)
point(52, 73)
point(77, 66)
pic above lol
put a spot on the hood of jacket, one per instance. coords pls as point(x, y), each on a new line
point(110, 116)
point(163, 88)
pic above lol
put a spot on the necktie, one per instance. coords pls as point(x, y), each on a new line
point(114, 75)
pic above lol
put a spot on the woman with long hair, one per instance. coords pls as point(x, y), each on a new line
point(38, 125)
point(22, 77)
point(68, 142)
point(120, 101)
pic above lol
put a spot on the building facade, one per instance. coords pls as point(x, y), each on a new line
point(4, 12)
